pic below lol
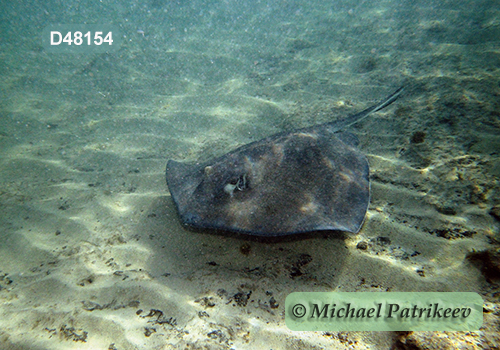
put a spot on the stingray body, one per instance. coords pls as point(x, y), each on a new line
point(307, 180)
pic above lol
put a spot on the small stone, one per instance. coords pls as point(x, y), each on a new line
point(362, 245)
point(303, 260)
point(495, 212)
point(489, 262)
point(245, 249)
point(418, 137)
point(423, 340)
point(446, 210)
point(241, 298)
point(383, 241)
point(273, 303)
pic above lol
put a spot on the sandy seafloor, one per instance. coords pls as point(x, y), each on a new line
point(92, 255)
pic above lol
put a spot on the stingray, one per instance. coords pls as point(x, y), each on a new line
point(311, 179)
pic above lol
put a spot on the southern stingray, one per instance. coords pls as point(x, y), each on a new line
point(310, 179)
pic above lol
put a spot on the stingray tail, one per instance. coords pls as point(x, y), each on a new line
point(390, 99)
point(344, 123)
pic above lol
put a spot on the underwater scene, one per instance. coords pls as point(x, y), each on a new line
point(97, 251)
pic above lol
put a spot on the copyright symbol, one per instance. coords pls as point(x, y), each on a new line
point(298, 310)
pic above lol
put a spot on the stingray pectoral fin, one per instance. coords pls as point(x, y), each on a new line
point(182, 180)
point(176, 173)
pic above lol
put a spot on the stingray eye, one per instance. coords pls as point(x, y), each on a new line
point(242, 183)
point(238, 183)
point(209, 170)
